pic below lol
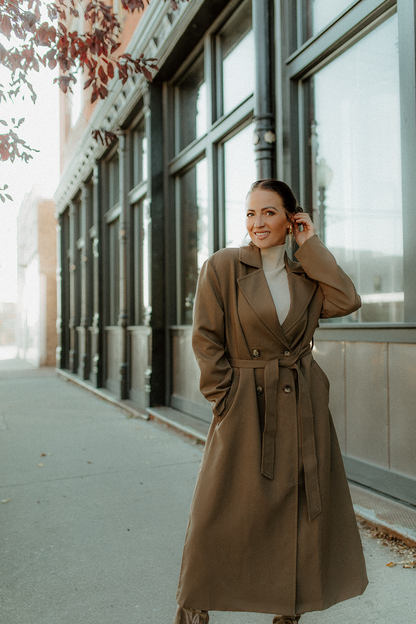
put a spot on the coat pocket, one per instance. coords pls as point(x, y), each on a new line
point(230, 398)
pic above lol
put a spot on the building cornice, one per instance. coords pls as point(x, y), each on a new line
point(155, 35)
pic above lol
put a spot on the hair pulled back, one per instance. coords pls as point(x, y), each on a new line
point(289, 200)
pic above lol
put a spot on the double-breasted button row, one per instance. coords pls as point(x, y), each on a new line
point(256, 353)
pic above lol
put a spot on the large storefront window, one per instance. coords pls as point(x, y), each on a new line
point(236, 43)
point(191, 105)
point(194, 234)
point(213, 147)
point(140, 263)
point(113, 274)
point(113, 181)
point(356, 165)
point(138, 158)
point(239, 173)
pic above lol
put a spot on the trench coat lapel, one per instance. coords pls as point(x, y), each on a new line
point(257, 293)
point(301, 292)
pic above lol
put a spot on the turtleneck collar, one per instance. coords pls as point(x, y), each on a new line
point(273, 257)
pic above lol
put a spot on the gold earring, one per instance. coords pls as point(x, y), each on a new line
point(290, 229)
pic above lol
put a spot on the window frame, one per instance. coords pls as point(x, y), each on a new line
point(209, 145)
point(138, 201)
point(298, 65)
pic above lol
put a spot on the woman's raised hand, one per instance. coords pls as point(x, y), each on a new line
point(302, 218)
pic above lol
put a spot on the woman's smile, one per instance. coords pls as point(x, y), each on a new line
point(262, 235)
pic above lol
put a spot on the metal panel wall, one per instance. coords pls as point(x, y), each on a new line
point(366, 402)
point(373, 395)
point(113, 358)
point(402, 407)
point(185, 376)
point(331, 357)
point(139, 364)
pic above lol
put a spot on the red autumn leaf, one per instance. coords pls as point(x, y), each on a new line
point(4, 152)
point(147, 74)
point(102, 75)
point(6, 26)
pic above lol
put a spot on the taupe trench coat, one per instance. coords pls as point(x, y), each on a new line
point(271, 527)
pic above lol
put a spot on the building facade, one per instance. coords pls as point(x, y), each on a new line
point(319, 93)
point(8, 324)
point(36, 254)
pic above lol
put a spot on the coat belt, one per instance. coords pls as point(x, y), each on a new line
point(310, 461)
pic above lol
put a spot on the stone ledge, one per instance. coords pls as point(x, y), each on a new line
point(190, 426)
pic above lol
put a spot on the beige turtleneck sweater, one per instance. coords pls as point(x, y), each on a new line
point(274, 268)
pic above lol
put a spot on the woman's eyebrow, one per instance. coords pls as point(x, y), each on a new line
point(265, 208)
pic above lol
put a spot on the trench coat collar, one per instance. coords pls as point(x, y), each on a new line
point(251, 255)
point(257, 293)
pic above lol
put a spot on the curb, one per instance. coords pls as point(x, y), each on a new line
point(406, 535)
point(102, 394)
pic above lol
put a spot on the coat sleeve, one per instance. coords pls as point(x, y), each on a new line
point(208, 339)
point(340, 296)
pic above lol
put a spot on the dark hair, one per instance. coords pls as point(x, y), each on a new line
point(290, 202)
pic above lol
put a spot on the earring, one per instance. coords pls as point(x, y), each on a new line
point(290, 229)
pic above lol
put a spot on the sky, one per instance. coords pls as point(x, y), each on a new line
point(41, 131)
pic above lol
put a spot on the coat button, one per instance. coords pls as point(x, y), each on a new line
point(259, 390)
point(256, 353)
point(286, 353)
point(287, 389)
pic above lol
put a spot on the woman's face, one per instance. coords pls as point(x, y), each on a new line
point(266, 220)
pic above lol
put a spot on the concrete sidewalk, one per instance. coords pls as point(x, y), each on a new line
point(95, 534)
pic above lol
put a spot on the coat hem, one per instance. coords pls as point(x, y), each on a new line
point(278, 608)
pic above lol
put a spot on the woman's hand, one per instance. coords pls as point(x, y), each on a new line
point(309, 230)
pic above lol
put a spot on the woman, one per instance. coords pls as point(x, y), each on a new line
point(271, 527)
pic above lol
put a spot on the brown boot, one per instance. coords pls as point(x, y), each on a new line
point(190, 616)
point(286, 619)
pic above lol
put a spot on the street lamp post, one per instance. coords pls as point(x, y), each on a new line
point(323, 179)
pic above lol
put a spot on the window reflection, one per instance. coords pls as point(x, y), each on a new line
point(146, 295)
point(113, 181)
point(237, 59)
point(239, 173)
point(194, 234)
point(140, 263)
point(356, 168)
point(193, 119)
point(322, 12)
point(139, 160)
point(113, 272)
